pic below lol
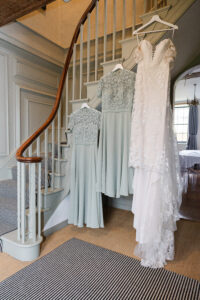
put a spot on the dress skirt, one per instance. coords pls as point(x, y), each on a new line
point(86, 207)
point(114, 177)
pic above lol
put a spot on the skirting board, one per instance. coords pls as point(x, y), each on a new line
point(55, 228)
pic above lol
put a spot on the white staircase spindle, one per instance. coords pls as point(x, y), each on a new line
point(38, 146)
point(105, 30)
point(114, 28)
point(52, 155)
point(30, 151)
point(134, 15)
point(59, 148)
point(18, 201)
point(66, 100)
point(74, 73)
point(39, 200)
point(46, 161)
point(32, 203)
point(39, 189)
point(81, 61)
point(124, 20)
point(23, 202)
point(96, 38)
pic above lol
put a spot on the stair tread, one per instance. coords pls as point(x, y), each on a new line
point(61, 159)
point(57, 174)
point(80, 100)
point(91, 82)
point(50, 191)
point(112, 61)
point(42, 210)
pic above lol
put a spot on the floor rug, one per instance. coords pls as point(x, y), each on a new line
point(80, 270)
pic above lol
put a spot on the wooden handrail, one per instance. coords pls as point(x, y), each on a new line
point(33, 137)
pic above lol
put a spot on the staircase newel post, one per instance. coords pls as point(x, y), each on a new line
point(18, 201)
point(22, 202)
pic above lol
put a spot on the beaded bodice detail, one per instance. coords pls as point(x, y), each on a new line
point(117, 91)
point(84, 125)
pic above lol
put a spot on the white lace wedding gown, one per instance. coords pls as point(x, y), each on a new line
point(157, 183)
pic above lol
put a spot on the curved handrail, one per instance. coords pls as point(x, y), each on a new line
point(32, 138)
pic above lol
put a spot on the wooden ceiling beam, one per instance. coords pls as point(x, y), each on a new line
point(10, 10)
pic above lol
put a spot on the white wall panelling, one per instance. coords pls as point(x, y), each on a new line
point(4, 137)
point(35, 108)
point(28, 86)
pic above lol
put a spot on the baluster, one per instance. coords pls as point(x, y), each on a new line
point(30, 153)
point(88, 49)
point(156, 4)
point(134, 14)
point(67, 99)
point(124, 20)
point(74, 73)
point(32, 206)
point(81, 61)
point(53, 155)
point(39, 189)
point(59, 150)
point(18, 200)
point(145, 6)
point(38, 146)
point(46, 161)
point(105, 29)
point(114, 28)
point(39, 200)
point(96, 38)
point(23, 201)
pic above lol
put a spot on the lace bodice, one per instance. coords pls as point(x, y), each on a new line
point(84, 125)
point(151, 103)
point(117, 91)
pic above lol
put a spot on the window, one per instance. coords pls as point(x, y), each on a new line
point(181, 119)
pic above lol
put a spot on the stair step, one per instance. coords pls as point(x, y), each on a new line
point(76, 104)
point(42, 210)
point(108, 66)
point(61, 160)
point(79, 100)
point(50, 191)
point(65, 145)
point(90, 83)
point(57, 174)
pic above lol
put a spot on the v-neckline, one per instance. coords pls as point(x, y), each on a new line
point(154, 48)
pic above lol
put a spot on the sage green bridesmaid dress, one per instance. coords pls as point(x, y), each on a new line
point(85, 202)
point(114, 177)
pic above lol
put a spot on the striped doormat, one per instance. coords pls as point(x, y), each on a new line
point(79, 270)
